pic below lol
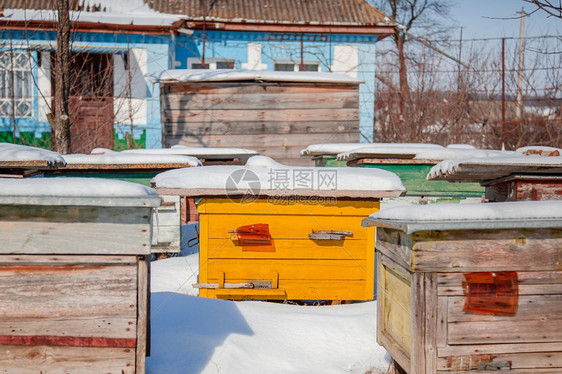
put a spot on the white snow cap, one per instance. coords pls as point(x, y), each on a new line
point(336, 148)
point(72, 187)
point(15, 152)
point(188, 151)
point(119, 158)
point(221, 75)
point(448, 167)
point(519, 210)
point(435, 153)
point(272, 176)
point(122, 12)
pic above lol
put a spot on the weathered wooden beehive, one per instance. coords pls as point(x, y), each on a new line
point(267, 237)
point(74, 259)
point(472, 289)
point(275, 113)
point(517, 177)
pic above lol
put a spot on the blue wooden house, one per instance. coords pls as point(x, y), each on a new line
point(116, 44)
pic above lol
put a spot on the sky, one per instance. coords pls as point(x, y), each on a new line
point(473, 16)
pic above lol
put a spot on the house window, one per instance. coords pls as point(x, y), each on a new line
point(16, 84)
point(291, 66)
point(210, 63)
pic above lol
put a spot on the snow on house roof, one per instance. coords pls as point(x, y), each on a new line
point(199, 152)
point(263, 176)
point(520, 214)
point(431, 154)
point(483, 169)
point(317, 12)
point(75, 191)
point(221, 75)
point(122, 12)
point(119, 158)
point(11, 154)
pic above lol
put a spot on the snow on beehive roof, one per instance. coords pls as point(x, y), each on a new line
point(120, 158)
point(430, 154)
point(520, 214)
point(262, 175)
point(14, 153)
point(336, 148)
point(221, 75)
point(203, 152)
point(483, 169)
point(75, 191)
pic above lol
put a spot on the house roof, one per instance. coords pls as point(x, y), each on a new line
point(322, 16)
point(321, 12)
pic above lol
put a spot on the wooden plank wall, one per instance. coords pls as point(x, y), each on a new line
point(73, 313)
point(277, 119)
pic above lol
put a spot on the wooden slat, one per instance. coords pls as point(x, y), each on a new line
point(68, 341)
point(91, 238)
point(293, 289)
point(418, 324)
point(505, 331)
point(442, 322)
point(79, 360)
point(529, 283)
point(537, 307)
point(230, 127)
point(493, 349)
point(277, 115)
point(237, 271)
point(528, 361)
point(241, 88)
point(96, 324)
point(253, 101)
point(340, 207)
point(288, 226)
point(488, 250)
point(293, 249)
point(67, 291)
point(143, 320)
point(397, 309)
point(512, 371)
point(22, 260)
point(431, 322)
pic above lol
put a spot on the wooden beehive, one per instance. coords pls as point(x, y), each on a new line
point(275, 113)
point(296, 238)
point(515, 178)
point(471, 295)
point(308, 257)
point(74, 281)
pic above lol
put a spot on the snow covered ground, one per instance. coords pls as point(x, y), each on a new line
point(198, 335)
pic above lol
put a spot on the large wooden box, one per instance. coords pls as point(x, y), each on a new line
point(430, 320)
point(294, 265)
point(74, 283)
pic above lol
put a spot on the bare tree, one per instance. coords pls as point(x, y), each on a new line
point(549, 6)
point(60, 123)
point(411, 15)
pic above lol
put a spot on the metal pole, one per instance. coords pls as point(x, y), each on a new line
point(520, 70)
point(503, 90)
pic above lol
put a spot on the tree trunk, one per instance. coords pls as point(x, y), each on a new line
point(60, 124)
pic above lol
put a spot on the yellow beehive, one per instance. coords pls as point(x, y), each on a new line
point(284, 244)
point(307, 258)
